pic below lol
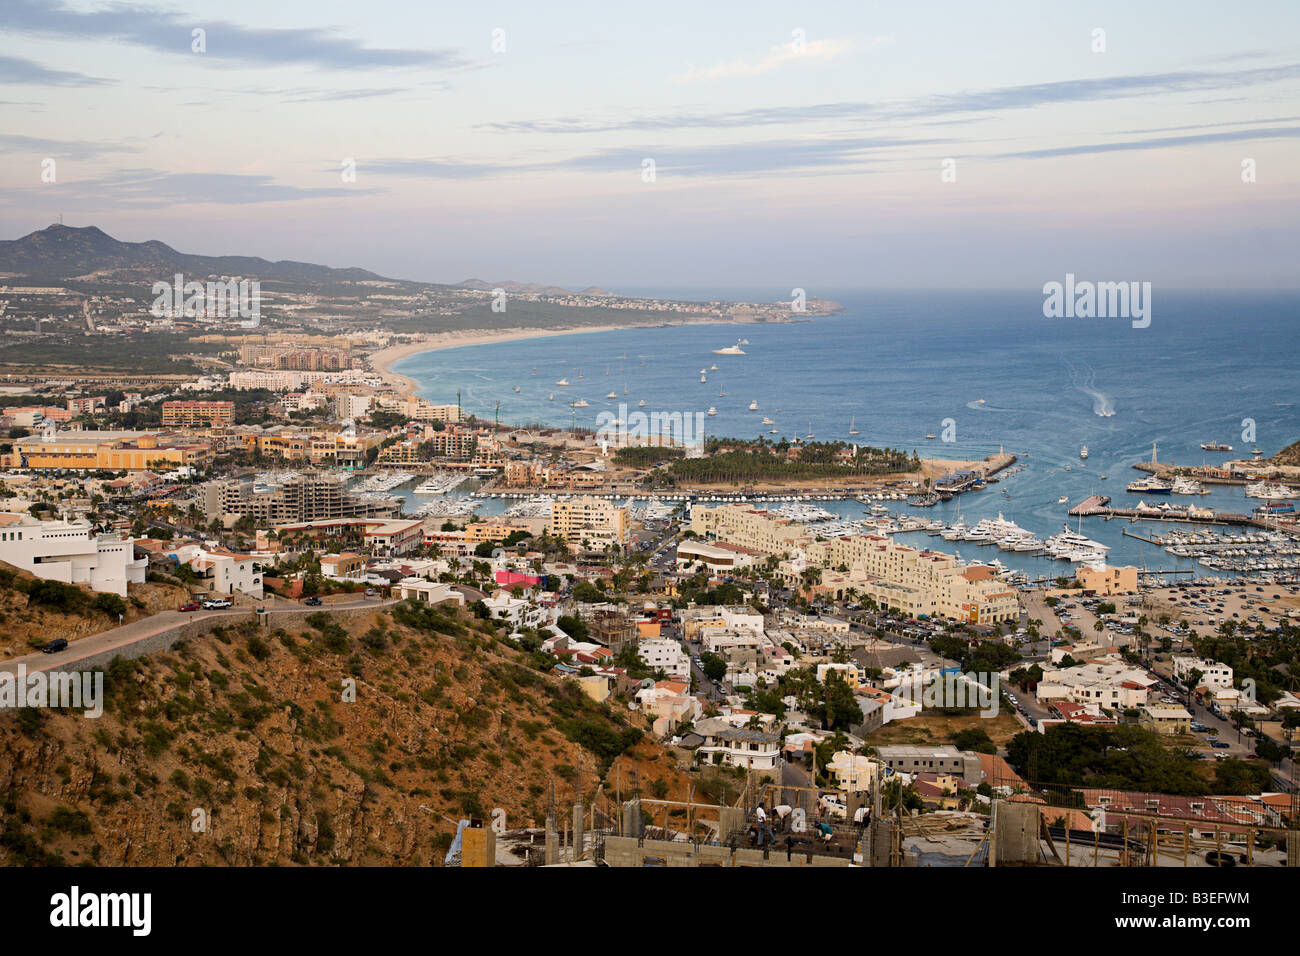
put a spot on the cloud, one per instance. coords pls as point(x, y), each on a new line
point(151, 188)
point(168, 31)
point(15, 69)
point(61, 148)
point(994, 100)
point(781, 55)
point(727, 159)
point(1232, 136)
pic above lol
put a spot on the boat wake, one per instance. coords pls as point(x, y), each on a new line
point(1086, 381)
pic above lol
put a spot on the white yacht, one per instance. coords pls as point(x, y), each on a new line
point(711, 412)
point(581, 403)
point(753, 406)
point(1083, 452)
point(642, 404)
point(767, 421)
point(1269, 490)
point(562, 382)
point(730, 349)
point(612, 395)
point(1187, 486)
point(1063, 499)
point(516, 388)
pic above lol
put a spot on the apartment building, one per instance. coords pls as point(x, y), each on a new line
point(909, 759)
point(228, 572)
point(347, 448)
point(589, 523)
point(1107, 683)
point(70, 552)
point(299, 497)
point(1213, 673)
point(417, 409)
point(667, 656)
point(195, 414)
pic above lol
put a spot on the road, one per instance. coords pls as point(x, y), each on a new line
point(128, 634)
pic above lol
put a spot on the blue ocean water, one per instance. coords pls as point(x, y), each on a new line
point(899, 364)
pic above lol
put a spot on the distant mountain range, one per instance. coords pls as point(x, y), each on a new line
point(67, 252)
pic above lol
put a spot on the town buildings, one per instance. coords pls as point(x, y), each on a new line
point(196, 414)
point(589, 523)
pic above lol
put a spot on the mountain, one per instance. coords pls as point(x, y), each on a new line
point(63, 252)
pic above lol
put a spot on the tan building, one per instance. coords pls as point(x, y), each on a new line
point(197, 414)
point(1166, 721)
point(589, 523)
point(1108, 580)
point(108, 451)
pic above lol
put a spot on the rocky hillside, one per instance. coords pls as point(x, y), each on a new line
point(254, 729)
point(1290, 455)
point(33, 611)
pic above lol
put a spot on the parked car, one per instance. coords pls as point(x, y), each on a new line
point(313, 602)
point(54, 646)
point(189, 606)
point(216, 604)
point(1220, 744)
point(371, 592)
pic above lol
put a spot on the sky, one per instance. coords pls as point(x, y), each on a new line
point(671, 145)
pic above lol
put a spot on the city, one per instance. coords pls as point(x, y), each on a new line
point(662, 457)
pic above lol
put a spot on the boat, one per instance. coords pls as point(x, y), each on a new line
point(516, 388)
point(642, 404)
point(1187, 486)
point(711, 412)
point(767, 421)
point(772, 431)
point(810, 436)
point(550, 397)
point(1063, 499)
point(703, 379)
point(853, 429)
point(730, 350)
point(562, 382)
point(979, 401)
point(581, 403)
point(612, 395)
point(1083, 452)
point(931, 436)
point(1102, 477)
point(1269, 490)
point(753, 406)
point(1215, 446)
point(1150, 485)
point(713, 368)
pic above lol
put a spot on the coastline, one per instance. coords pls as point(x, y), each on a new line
point(382, 360)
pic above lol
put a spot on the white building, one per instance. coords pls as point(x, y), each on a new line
point(228, 572)
point(427, 592)
point(725, 744)
point(70, 552)
point(1213, 674)
point(518, 612)
point(667, 656)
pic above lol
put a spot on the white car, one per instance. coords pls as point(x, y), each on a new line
point(216, 604)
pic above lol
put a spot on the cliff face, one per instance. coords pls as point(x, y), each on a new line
point(1290, 455)
point(244, 748)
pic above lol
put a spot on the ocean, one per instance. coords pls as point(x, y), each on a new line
point(984, 368)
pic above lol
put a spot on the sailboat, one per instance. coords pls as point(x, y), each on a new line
point(810, 436)
point(853, 430)
point(753, 406)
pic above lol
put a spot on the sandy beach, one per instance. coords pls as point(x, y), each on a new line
point(383, 359)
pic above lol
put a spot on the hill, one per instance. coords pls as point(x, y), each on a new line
point(449, 720)
point(65, 252)
point(33, 611)
point(1290, 455)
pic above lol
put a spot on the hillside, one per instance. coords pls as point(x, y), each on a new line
point(1290, 455)
point(448, 721)
point(29, 618)
point(62, 252)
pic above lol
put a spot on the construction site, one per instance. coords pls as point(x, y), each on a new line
point(1021, 826)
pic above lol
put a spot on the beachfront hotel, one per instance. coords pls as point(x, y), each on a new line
point(892, 575)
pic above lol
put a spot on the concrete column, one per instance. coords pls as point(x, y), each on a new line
point(578, 830)
point(632, 818)
point(552, 841)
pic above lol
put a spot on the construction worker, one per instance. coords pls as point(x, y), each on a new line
point(765, 834)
